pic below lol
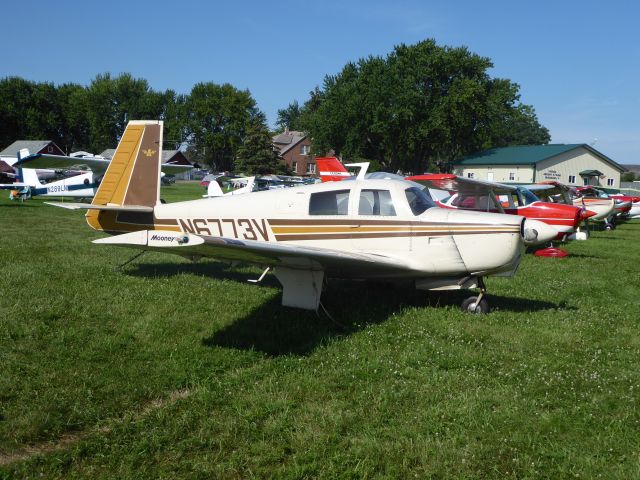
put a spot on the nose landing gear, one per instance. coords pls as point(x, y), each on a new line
point(477, 303)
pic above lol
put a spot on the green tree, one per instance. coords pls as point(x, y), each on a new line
point(628, 177)
point(112, 102)
point(217, 117)
point(290, 117)
point(256, 155)
point(74, 132)
point(28, 110)
point(423, 105)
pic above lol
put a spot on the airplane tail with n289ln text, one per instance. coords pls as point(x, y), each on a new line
point(383, 229)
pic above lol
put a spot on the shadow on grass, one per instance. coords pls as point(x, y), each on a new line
point(276, 330)
point(203, 268)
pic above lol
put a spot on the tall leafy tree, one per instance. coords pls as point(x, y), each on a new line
point(28, 110)
point(217, 118)
point(74, 132)
point(112, 102)
point(421, 107)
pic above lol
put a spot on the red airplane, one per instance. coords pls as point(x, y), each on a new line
point(487, 196)
point(622, 203)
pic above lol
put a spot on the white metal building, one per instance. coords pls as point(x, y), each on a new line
point(575, 164)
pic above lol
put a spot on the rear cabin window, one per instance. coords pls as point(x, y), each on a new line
point(335, 202)
point(376, 202)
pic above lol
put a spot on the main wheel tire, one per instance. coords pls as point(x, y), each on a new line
point(471, 305)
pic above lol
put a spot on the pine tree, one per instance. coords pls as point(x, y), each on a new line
point(257, 155)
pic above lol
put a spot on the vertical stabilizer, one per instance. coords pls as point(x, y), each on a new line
point(133, 176)
point(29, 176)
point(331, 169)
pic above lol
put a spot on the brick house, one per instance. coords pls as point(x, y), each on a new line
point(295, 150)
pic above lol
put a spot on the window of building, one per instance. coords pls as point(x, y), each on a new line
point(311, 168)
point(376, 202)
point(512, 176)
point(471, 175)
point(585, 180)
point(335, 202)
point(304, 149)
point(294, 167)
point(572, 179)
point(610, 182)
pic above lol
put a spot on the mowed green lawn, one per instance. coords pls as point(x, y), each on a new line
point(170, 369)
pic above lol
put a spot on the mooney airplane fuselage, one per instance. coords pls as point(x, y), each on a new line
point(382, 229)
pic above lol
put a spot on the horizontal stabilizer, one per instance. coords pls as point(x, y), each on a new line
point(112, 208)
point(152, 238)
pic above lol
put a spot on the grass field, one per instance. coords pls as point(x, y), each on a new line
point(170, 369)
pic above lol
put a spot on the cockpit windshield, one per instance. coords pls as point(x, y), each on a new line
point(419, 200)
point(527, 196)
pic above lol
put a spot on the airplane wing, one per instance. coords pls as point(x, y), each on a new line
point(261, 253)
point(465, 186)
point(97, 165)
point(12, 186)
point(61, 162)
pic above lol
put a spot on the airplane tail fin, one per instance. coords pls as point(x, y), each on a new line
point(331, 169)
point(29, 176)
point(132, 179)
point(133, 176)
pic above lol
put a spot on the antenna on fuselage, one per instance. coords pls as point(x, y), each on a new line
point(364, 166)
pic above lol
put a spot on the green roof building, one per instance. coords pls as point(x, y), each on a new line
point(573, 164)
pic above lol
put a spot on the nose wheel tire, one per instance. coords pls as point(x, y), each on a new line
point(475, 304)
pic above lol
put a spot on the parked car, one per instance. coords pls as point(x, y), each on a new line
point(168, 179)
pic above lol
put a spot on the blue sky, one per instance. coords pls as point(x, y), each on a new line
point(577, 62)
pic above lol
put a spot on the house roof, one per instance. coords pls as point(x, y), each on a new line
point(287, 140)
point(34, 146)
point(528, 155)
point(591, 173)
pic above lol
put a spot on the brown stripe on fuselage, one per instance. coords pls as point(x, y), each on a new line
point(356, 235)
point(376, 228)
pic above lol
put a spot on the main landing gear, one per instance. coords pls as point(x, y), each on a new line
point(477, 303)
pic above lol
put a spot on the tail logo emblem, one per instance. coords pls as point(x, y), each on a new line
point(148, 152)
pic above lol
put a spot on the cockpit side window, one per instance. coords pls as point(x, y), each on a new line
point(418, 200)
point(376, 202)
point(335, 202)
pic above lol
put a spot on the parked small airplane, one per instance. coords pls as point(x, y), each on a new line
point(78, 182)
point(471, 194)
point(621, 204)
point(364, 229)
point(75, 184)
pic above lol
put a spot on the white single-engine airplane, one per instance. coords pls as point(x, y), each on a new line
point(363, 229)
point(81, 183)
